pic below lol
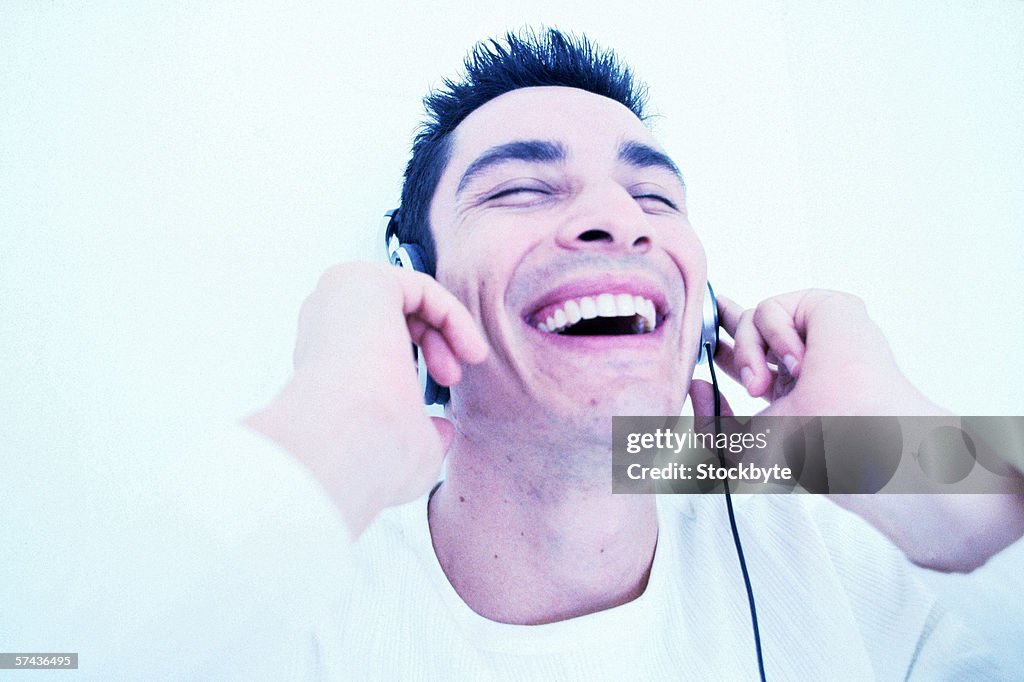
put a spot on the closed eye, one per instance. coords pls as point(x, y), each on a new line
point(511, 191)
point(519, 195)
point(658, 198)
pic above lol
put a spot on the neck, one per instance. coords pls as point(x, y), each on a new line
point(522, 544)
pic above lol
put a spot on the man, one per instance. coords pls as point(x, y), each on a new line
point(540, 199)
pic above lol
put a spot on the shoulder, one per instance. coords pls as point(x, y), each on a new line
point(904, 631)
point(395, 549)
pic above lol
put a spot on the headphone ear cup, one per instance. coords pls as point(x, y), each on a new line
point(433, 392)
point(410, 256)
point(709, 327)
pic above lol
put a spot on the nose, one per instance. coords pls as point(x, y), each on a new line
point(609, 220)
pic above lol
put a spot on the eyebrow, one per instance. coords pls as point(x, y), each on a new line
point(537, 151)
point(640, 155)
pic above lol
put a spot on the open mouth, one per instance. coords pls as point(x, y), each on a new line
point(599, 315)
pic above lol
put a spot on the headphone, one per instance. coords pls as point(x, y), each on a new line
point(411, 256)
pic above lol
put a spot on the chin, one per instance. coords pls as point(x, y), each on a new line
point(569, 408)
point(600, 404)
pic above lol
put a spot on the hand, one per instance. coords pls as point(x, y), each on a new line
point(818, 353)
point(353, 412)
point(813, 352)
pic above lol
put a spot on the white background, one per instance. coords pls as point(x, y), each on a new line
point(175, 176)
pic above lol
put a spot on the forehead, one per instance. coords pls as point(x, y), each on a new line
point(583, 122)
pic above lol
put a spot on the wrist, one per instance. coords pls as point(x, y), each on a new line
point(318, 443)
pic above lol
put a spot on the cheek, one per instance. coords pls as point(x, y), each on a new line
point(469, 274)
point(687, 252)
point(478, 269)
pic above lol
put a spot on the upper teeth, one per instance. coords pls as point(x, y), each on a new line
point(603, 305)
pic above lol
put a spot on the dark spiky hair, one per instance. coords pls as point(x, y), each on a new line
point(493, 68)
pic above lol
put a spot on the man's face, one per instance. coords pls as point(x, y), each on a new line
point(556, 206)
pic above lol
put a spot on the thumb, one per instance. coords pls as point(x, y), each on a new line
point(702, 395)
point(445, 431)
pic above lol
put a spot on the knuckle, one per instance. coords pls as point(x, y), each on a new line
point(816, 300)
point(344, 275)
point(335, 277)
point(855, 300)
point(762, 312)
point(844, 298)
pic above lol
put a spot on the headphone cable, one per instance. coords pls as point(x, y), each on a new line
point(732, 516)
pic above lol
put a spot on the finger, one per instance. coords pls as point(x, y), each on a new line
point(777, 327)
point(425, 299)
point(418, 329)
point(446, 431)
point(749, 356)
point(441, 362)
point(729, 314)
point(702, 396)
point(725, 360)
point(702, 399)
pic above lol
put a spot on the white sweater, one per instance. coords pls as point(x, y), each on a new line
point(261, 581)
